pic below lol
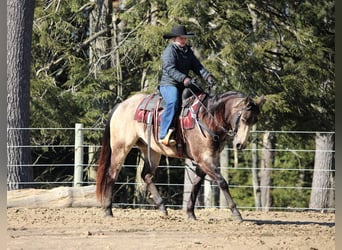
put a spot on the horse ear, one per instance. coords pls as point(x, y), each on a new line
point(247, 100)
point(261, 101)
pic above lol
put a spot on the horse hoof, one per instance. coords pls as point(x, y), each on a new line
point(164, 212)
point(163, 209)
point(108, 213)
point(237, 218)
point(192, 217)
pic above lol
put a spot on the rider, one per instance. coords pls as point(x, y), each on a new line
point(177, 60)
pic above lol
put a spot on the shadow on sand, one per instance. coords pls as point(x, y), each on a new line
point(281, 222)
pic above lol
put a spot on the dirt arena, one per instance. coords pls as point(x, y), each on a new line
point(86, 228)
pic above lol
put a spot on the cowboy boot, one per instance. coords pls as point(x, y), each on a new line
point(166, 140)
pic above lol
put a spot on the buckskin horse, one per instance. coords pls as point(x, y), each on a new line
point(212, 119)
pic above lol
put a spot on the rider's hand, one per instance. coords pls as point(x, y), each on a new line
point(211, 80)
point(187, 82)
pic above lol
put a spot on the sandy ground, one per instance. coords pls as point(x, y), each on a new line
point(86, 228)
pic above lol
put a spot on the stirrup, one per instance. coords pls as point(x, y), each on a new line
point(167, 141)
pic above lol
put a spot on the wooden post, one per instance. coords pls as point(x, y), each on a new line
point(79, 152)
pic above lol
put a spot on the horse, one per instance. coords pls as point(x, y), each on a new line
point(219, 116)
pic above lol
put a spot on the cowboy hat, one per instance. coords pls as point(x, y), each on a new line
point(178, 30)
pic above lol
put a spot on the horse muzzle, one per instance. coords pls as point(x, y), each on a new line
point(238, 144)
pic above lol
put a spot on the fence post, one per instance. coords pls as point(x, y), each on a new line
point(79, 152)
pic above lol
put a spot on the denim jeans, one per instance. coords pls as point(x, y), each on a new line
point(171, 97)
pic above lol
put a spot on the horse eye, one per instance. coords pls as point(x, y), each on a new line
point(254, 120)
point(249, 120)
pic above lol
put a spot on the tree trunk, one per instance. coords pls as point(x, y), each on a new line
point(91, 170)
point(53, 198)
point(256, 187)
point(211, 193)
point(267, 162)
point(140, 193)
point(101, 20)
point(116, 55)
point(19, 36)
point(224, 163)
point(189, 174)
point(321, 181)
point(209, 200)
point(331, 199)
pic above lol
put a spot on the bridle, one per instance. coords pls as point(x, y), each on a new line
point(237, 118)
point(232, 132)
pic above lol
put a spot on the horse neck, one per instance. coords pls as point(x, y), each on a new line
point(221, 108)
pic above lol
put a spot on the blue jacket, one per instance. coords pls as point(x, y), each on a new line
point(176, 64)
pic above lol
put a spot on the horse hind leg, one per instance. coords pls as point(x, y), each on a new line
point(113, 173)
point(107, 202)
point(196, 186)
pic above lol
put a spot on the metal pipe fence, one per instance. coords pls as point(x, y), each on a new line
point(79, 145)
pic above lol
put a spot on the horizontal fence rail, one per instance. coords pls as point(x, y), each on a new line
point(78, 145)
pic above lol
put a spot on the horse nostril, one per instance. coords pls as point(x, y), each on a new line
point(240, 146)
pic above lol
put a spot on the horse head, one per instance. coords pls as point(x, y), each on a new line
point(244, 115)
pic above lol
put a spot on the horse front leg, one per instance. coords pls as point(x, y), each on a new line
point(211, 169)
point(155, 194)
point(147, 175)
point(196, 186)
point(222, 183)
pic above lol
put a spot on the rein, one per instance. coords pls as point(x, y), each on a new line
point(202, 125)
